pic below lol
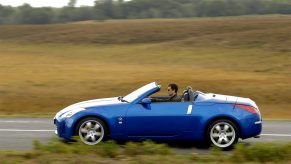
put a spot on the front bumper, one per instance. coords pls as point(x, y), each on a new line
point(64, 128)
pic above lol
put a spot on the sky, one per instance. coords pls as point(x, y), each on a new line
point(41, 3)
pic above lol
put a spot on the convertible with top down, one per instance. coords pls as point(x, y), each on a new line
point(216, 119)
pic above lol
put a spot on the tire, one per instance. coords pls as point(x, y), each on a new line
point(222, 134)
point(91, 130)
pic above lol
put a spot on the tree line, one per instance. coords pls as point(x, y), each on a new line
point(138, 9)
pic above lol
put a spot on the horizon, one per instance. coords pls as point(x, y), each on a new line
point(45, 3)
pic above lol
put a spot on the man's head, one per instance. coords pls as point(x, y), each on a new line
point(172, 89)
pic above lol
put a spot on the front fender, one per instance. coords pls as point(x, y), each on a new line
point(66, 126)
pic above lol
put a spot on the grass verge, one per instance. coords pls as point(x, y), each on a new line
point(146, 152)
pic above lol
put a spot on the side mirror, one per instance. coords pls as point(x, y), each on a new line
point(146, 101)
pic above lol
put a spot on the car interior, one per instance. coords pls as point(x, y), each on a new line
point(186, 96)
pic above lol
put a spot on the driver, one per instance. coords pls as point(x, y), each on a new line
point(172, 92)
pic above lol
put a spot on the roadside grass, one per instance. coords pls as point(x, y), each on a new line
point(146, 152)
point(46, 68)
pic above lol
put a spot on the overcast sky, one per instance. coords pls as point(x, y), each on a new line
point(40, 3)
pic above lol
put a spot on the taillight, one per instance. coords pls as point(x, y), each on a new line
point(247, 107)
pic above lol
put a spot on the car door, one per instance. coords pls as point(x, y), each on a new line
point(158, 119)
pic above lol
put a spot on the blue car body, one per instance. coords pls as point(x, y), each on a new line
point(188, 120)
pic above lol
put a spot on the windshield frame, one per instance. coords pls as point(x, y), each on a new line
point(141, 91)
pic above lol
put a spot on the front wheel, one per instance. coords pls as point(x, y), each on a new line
point(91, 130)
point(223, 134)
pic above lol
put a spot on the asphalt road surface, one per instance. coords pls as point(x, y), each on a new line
point(19, 133)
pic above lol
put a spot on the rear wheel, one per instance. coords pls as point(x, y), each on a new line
point(91, 130)
point(223, 134)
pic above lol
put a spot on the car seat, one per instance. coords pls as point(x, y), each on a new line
point(187, 94)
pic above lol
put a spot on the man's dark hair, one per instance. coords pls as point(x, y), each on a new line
point(174, 87)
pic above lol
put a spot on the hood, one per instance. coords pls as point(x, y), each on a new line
point(89, 103)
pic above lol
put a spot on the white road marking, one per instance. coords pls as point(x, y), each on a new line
point(21, 130)
point(277, 135)
point(22, 121)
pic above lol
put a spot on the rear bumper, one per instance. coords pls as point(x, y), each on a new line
point(251, 127)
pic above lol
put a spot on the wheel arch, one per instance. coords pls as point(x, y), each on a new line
point(233, 120)
point(94, 116)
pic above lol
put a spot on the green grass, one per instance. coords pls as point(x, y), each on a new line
point(45, 68)
point(145, 152)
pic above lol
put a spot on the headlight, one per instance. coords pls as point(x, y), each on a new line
point(72, 112)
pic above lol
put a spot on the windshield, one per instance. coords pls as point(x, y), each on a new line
point(137, 93)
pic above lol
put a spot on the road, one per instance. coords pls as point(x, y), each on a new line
point(18, 133)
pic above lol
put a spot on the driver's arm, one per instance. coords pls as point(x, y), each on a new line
point(157, 100)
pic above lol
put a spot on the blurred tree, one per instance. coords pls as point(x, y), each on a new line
point(66, 14)
point(188, 10)
point(212, 8)
point(154, 13)
point(6, 14)
point(121, 9)
point(72, 3)
point(255, 6)
point(25, 14)
point(279, 6)
point(104, 9)
point(235, 7)
point(118, 10)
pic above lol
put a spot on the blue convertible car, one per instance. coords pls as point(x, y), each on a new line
point(212, 118)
